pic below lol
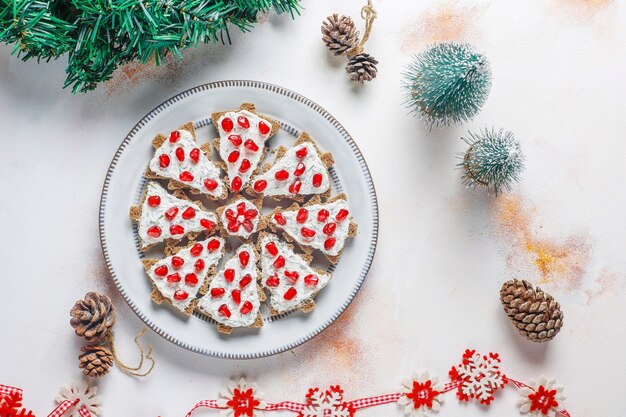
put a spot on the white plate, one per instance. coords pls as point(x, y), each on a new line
point(124, 184)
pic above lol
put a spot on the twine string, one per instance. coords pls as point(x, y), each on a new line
point(145, 356)
point(369, 15)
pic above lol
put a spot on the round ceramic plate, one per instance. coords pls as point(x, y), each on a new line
point(124, 185)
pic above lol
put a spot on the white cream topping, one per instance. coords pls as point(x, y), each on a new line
point(294, 228)
point(227, 147)
point(290, 163)
point(221, 299)
point(240, 218)
point(287, 289)
point(188, 171)
point(153, 216)
point(180, 283)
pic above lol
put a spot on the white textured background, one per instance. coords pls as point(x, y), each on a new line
point(558, 70)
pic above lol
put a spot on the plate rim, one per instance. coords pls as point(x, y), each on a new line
point(294, 96)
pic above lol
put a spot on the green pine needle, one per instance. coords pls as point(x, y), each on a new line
point(447, 84)
point(494, 160)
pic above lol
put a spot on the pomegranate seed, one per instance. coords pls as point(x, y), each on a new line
point(247, 224)
point(174, 136)
point(245, 165)
point(196, 249)
point(251, 145)
point(244, 257)
point(171, 213)
point(260, 185)
point(191, 279)
point(330, 228)
point(292, 276)
point(229, 275)
point(180, 295)
point(311, 280)
point(272, 281)
point(299, 169)
point(264, 128)
point(236, 184)
point(302, 152)
point(243, 122)
point(180, 154)
point(154, 231)
point(280, 219)
point(224, 311)
point(234, 155)
point(317, 180)
point(189, 213)
point(217, 292)
point(213, 245)
point(343, 213)
point(302, 215)
point(173, 277)
point(247, 279)
point(281, 175)
point(290, 293)
point(177, 229)
point(236, 295)
point(250, 214)
point(210, 184)
point(194, 154)
point(207, 224)
point(246, 308)
point(164, 161)
point(271, 248)
point(199, 265)
point(329, 243)
point(227, 124)
point(235, 140)
point(295, 187)
point(154, 200)
point(161, 270)
point(241, 207)
point(186, 176)
point(306, 232)
point(322, 215)
point(233, 226)
point(177, 262)
point(230, 215)
point(279, 262)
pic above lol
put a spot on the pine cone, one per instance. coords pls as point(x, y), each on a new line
point(362, 67)
point(95, 360)
point(339, 33)
point(93, 316)
point(537, 316)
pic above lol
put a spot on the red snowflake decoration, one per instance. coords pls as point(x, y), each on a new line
point(11, 406)
point(422, 394)
point(478, 376)
point(243, 402)
point(543, 400)
point(327, 403)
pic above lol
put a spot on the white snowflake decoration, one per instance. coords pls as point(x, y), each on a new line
point(327, 403)
point(421, 395)
point(542, 399)
point(241, 399)
point(478, 376)
point(85, 395)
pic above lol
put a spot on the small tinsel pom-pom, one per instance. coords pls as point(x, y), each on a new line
point(493, 160)
point(447, 84)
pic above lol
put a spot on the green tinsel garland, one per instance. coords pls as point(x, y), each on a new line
point(100, 35)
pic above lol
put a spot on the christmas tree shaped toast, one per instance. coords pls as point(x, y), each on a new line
point(169, 217)
point(242, 218)
point(317, 225)
point(299, 171)
point(292, 283)
point(180, 159)
point(177, 278)
point(234, 296)
point(242, 142)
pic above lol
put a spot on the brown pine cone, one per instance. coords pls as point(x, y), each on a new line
point(362, 67)
point(93, 316)
point(535, 314)
point(95, 360)
point(339, 33)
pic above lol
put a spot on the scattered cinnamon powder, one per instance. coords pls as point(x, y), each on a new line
point(99, 280)
point(581, 9)
point(607, 283)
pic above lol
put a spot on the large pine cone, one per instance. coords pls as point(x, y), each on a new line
point(95, 360)
point(93, 316)
point(362, 67)
point(339, 33)
point(535, 314)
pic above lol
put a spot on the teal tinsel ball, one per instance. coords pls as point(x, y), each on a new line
point(494, 160)
point(448, 83)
